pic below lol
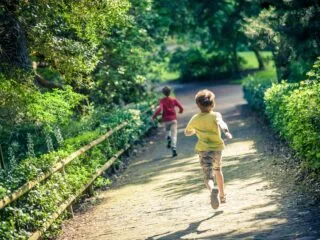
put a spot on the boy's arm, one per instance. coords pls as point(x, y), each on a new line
point(179, 106)
point(189, 131)
point(158, 111)
point(223, 126)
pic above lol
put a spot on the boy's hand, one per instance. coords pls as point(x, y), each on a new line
point(189, 132)
point(229, 135)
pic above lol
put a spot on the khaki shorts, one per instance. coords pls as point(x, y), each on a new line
point(209, 162)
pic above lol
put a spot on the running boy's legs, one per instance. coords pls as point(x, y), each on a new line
point(167, 127)
point(217, 158)
point(211, 163)
point(173, 130)
point(220, 181)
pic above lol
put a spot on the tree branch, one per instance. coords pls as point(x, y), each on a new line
point(41, 80)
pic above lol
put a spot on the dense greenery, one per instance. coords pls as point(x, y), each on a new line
point(68, 68)
point(293, 110)
point(31, 211)
point(289, 29)
point(60, 61)
point(255, 85)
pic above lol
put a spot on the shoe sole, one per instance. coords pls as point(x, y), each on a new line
point(214, 198)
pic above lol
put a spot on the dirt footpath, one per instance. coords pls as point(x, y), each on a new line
point(161, 197)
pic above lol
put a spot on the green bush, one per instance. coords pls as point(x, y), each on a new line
point(293, 110)
point(28, 214)
point(196, 64)
point(254, 87)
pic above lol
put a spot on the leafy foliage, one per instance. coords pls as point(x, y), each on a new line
point(290, 29)
point(293, 110)
point(85, 57)
point(197, 64)
point(254, 87)
point(30, 212)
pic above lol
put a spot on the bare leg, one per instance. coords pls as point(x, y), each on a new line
point(220, 181)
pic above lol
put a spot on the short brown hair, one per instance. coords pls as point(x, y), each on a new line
point(205, 100)
point(166, 91)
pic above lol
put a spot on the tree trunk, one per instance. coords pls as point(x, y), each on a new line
point(235, 59)
point(14, 51)
point(259, 59)
point(41, 80)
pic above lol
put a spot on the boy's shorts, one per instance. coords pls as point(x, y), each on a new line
point(209, 162)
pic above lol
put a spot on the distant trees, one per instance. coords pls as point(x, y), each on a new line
point(102, 51)
point(291, 29)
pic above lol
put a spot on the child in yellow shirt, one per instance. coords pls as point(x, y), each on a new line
point(206, 125)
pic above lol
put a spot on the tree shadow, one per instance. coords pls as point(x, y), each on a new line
point(192, 228)
point(256, 166)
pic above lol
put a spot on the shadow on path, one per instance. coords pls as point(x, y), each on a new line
point(192, 228)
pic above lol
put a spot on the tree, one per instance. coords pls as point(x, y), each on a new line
point(291, 30)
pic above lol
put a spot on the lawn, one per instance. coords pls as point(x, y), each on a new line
point(249, 62)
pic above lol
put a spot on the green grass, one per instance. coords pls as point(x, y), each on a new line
point(252, 63)
point(166, 76)
point(250, 60)
point(268, 73)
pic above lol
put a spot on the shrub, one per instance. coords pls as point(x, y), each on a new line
point(28, 214)
point(293, 110)
point(196, 64)
point(254, 87)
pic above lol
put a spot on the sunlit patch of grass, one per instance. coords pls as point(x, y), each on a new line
point(251, 62)
point(169, 76)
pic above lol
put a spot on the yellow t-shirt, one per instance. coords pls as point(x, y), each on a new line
point(207, 130)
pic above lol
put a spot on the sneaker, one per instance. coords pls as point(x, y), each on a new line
point(214, 197)
point(174, 153)
point(223, 199)
point(169, 142)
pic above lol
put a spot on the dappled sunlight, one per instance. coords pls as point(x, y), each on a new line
point(161, 197)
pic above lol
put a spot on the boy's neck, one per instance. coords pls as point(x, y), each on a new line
point(206, 111)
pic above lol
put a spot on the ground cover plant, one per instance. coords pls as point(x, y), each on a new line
point(31, 211)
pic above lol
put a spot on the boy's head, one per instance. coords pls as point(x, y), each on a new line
point(205, 100)
point(166, 91)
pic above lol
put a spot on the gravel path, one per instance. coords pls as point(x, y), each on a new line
point(159, 197)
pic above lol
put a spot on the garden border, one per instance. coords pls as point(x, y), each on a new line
point(36, 235)
point(60, 165)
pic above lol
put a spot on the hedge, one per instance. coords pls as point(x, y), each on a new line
point(28, 214)
point(293, 110)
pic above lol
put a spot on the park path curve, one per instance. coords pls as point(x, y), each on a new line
point(159, 197)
